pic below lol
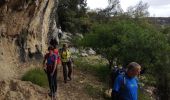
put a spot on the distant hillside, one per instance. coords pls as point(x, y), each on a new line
point(160, 20)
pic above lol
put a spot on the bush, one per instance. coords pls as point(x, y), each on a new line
point(36, 76)
point(143, 95)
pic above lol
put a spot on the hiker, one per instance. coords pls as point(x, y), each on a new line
point(126, 86)
point(66, 63)
point(50, 67)
point(53, 42)
point(60, 33)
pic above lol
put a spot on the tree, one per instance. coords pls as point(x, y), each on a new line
point(126, 41)
point(101, 39)
point(140, 10)
point(114, 8)
point(72, 16)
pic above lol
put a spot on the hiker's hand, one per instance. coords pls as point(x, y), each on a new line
point(45, 66)
point(72, 60)
point(45, 69)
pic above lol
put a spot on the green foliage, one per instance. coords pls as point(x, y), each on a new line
point(72, 16)
point(143, 95)
point(36, 76)
point(127, 41)
point(99, 69)
point(148, 79)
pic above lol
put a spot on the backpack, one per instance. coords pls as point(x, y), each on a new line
point(114, 73)
point(56, 52)
point(67, 56)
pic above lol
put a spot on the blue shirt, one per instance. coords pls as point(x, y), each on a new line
point(51, 59)
point(127, 87)
point(50, 62)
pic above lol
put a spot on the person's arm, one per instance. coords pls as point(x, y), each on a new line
point(70, 58)
point(116, 88)
point(44, 62)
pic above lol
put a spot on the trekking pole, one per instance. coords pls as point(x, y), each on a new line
point(72, 65)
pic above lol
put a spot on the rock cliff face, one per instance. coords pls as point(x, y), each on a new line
point(25, 27)
point(28, 23)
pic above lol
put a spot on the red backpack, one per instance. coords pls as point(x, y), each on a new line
point(57, 53)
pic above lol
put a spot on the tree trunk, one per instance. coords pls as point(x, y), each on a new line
point(110, 64)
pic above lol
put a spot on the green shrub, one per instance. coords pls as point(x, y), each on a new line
point(143, 95)
point(36, 76)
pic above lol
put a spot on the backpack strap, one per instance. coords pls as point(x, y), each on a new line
point(62, 50)
point(124, 80)
point(123, 84)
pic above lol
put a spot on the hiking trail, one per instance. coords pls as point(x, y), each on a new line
point(15, 89)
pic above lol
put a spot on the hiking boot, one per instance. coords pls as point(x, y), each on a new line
point(69, 78)
point(50, 94)
point(65, 81)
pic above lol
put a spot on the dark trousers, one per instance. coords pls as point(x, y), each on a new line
point(116, 96)
point(52, 81)
point(65, 72)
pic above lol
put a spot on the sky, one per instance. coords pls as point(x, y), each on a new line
point(157, 8)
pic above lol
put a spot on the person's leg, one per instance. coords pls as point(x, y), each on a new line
point(69, 69)
point(49, 82)
point(55, 81)
point(64, 64)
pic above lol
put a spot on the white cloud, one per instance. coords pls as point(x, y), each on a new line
point(97, 3)
point(125, 3)
point(157, 2)
point(156, 7)
point(160, 10)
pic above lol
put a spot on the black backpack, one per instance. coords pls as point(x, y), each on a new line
point(114, 73)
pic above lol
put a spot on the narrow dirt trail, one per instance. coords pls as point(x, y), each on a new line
point(14, 89)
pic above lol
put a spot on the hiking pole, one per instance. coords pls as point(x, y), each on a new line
point(72, 65)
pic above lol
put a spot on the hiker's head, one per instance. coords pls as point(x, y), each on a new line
point(54, 46)
point(133, 69)
point(50, 49)
point(65, 46)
